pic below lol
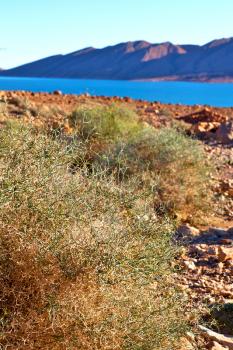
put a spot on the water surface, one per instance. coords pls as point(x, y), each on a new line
point(215, 94)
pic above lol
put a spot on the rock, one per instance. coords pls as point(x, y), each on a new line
point(205, 115)
point(204, 127)
point(186, 344)
point(187, 229)
point(231, 270)
point(221, 339)
point(217, 346)
point(226, 241)
point(151, 110)
point(220, 267)
point(190, 265)
point(225, 253)
point(186, 233)
point(57, 92)
point(128, 99)
point(224, 134)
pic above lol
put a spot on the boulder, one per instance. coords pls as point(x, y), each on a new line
point(205, 115)
point(204, 127)
point(224, 133)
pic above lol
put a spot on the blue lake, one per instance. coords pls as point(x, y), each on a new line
point(215, 94)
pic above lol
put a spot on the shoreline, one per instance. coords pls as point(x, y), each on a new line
point(59, 96)
point(172, 78)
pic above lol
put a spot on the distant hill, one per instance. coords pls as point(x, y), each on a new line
point(138, 60)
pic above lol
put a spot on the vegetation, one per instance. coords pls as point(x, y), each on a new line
point(166, 160)
point(173, 164)
point(98, 128)
point(85, 263)
point(106, 124)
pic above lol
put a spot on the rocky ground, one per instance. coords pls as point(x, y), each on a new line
point(207, 259)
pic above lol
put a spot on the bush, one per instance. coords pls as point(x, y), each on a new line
point(98, 128)
point(173, 164)
point(85, 264)
point(106, 124)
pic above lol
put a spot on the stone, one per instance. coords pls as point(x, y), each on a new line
point(221, 339)
point(128, 99)
point(57, 92)
point(226, 241)
point(186, 344)
point(205, 115)
point(217, 346)
point(152, 110)
point(190, 265)
point(205, 127)
point(225, 253)
point(224, 134)
point(186, 232)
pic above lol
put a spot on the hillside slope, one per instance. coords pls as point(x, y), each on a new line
point(138, 60)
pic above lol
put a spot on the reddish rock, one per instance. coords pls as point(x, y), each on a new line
point(225, 253)
point(57, 93)
point(224, 133)
point(151, 110)
point(205, 115)
point(205, 127)
point(224, 340)
point(217, 346)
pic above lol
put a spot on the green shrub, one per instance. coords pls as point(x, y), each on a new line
point(106, 124)
point(173, 164)
point(84, 262)
point(169, 161)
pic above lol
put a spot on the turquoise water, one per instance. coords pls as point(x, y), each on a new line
point(215, 94)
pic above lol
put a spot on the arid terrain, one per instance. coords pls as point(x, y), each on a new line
point(206, 257)
point(138, 60)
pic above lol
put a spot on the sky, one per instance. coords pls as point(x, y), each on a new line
point(33, 29)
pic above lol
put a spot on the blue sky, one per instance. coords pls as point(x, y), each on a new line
point(32, 29)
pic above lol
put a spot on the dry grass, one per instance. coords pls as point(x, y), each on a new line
point(85, 263)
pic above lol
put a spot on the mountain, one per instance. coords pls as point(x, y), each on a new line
point(138, 60)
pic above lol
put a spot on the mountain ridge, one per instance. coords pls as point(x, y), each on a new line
point(138, 60)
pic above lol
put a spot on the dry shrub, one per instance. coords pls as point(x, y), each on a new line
point(174, 165)
point(85, 263)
